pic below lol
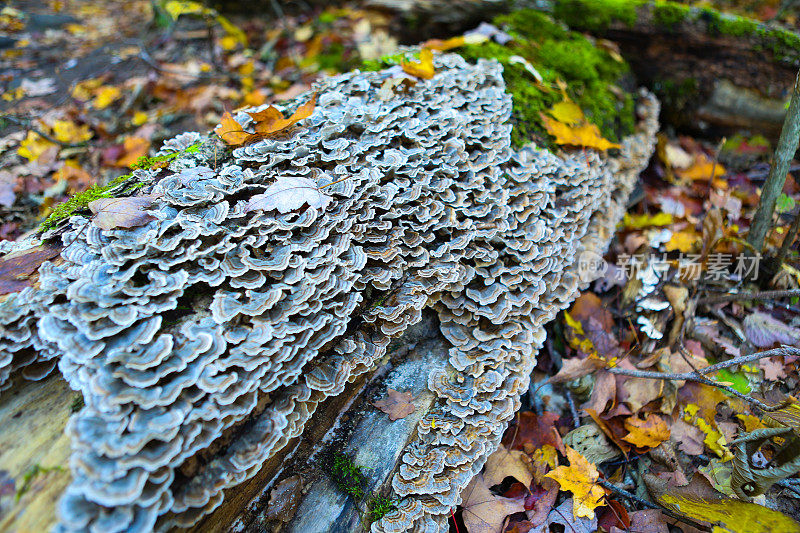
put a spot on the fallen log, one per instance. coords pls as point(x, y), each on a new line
point(714, 73)
point(242, 317)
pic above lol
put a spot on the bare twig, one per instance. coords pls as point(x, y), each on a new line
point(651, 505)
point(784, 152)
point(761, 295)
point(576, 420)
point(699, 375)
point(788, 239)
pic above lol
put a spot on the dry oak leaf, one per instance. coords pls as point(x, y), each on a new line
point(287, 194)
point(584, 134)
point(397, 405)
point(505, 463)
point(422, 68)
point(580, 478)
point(575, 368)
point(17, 269)
point(647, 433)
point(483, 512)
point(112, 213)
point(267, 122)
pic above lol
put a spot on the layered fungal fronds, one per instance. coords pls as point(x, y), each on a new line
point(264, 280)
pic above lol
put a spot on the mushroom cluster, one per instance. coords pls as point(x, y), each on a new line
point(204, 339)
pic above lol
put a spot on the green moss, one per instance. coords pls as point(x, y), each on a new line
point(390, 60)
point(596, 14)
point(80, 201)
point(378, 506)
point(669, 14)
point(558, 54)
point(348, 476)
point(31, 474)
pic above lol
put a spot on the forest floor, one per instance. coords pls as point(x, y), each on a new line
point(644, 385)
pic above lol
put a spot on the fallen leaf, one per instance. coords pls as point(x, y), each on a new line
point(113, 213)
point(649, 432)
point(482, 511)
point(397, 405)
point(287, 194)
point(567, 112)
point(132, 149)
point(423, 68)
point(701, 169)
point(585, 134)
point(580, 479)
point(40, 87)
point(575, 368)
point(505, 463)
point(69, 132)
point(645, 521)
point(572, 524)
point(16, 269)
point(105, 96)
point(763, 330)
point(230, 131)
point(773, 369)
point(8, 182)
point(534, 431)
point(34, 146)
point(271, 120)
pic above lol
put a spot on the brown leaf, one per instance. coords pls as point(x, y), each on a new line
point(577, 368)
point(534, 431)
point(129, 212)
point(689, 438)
point(763, 330)
point(271, 120)
point(397, 405)
point(505, 463)
point(231, 131)
point(483, 512)
point(16, 269)
point(645, 521)
point(603, 392)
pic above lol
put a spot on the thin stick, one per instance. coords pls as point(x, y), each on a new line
point(784, 152)
point(699, 376)
point(651, 505)
point(761, 295)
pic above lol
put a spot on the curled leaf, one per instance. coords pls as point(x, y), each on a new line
point(287, 194)
point(113, 213)
point(584, 134)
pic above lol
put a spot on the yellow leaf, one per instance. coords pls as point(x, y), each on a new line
point(438, 44)
point(176, 8)
point(585, 134)
point(644, 221)
point(85, 89)
point(105, 96)
point(647, 433)
point(730, 516)
point(139, 118)
point(567, 112)
point(580, 478)
point(254, 98)
point(422, 68)
point(701, 169)
point(69, 132)
point(682, 241)
point(33, 146)
point(228, 42)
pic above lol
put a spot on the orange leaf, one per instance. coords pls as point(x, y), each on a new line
point(231, 131)
point(584, 134)
point(438, 44)
point(133, 149)
point(271, 120)
point(701, 169)
point(422, 68)
point(647, 433)
point(580, 478)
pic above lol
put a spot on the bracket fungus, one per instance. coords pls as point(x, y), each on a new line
point(204, 338)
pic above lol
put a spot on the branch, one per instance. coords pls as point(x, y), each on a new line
point(699, 375)
point(651, 505)
point(761, 295)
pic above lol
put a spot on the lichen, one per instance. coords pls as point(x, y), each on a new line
point(559, 55)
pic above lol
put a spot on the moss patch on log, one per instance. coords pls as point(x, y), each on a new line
point(598, 15)
point(591, 75)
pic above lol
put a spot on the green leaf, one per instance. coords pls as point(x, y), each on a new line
point(736, 380)
point(784, 204)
